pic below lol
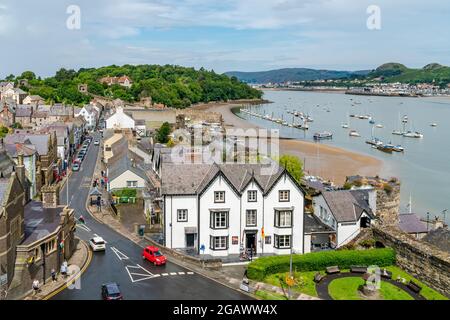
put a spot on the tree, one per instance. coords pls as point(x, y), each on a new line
point(11, 77)
point(64, 74)
point(293, 165)
point(17, 125)
point(163, 133)
point(3, 131)
point(28, 75)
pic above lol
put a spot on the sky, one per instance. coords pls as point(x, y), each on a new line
point(224, 35)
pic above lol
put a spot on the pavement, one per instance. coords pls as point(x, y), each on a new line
point(122, 261)
point(77, 263)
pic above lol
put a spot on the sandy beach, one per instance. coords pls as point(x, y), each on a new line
point(322, 160)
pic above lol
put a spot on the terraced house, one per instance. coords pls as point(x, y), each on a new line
point(224, 210)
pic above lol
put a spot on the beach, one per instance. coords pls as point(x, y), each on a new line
point(328, 162)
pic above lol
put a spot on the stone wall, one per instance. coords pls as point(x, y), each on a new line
point(388, 203)
point(425, 262)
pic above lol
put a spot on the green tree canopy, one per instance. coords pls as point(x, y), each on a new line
point(293, 165)
point(28, 75)
point(162, 135)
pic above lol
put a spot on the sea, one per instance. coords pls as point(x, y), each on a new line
point(424, 166)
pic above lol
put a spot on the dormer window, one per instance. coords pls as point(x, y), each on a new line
point(252, 195)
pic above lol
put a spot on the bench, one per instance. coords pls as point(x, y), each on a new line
point(414, 286)
point(357, 269)
point(386, 274)
point(318, 277)
point(333, 270)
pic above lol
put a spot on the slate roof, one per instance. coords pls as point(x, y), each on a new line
point(122, 164)
point(344, 206)
point(40, 221)
point(24, 111)
point(14, 149)
point(410, 223)
point(194, 178)
point(4, 185)
point(40, 141)
point(312, 224)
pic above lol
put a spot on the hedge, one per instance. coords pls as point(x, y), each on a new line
point(317, 261)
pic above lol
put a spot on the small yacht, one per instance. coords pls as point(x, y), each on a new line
point(398, 132)
point(354, 133)
point(323, 135)
point(379, 126)
point(372, 121)
point(411, 134)
point(433, 124)
point(344, 125)
point(398, 148)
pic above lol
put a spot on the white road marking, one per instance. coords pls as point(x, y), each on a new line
point(83, 227)
point(137, 275)
point(190, 273)
point(119, 254)
point(181, 273)
point(164, 274)
point(173, 273)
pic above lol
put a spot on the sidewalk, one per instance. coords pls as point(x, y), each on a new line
point(77, 263)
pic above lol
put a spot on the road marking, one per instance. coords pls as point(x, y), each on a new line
point(119, 254)
point(181, 273)
point(173, 273)
point(138, 276)
point(164, 274)
point(190, 272)
point(83, 227)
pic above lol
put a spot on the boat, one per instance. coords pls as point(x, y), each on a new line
point(398, 148)
point(323, 135)
point(433, 124)
point(354, 133)
point(374, 142)
point(411, 134)
point(379, 125)
point(372, 121)
point(398, 132)
point(344, 125)
point(385, 148)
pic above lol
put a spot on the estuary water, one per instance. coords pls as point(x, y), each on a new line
point(424, 166)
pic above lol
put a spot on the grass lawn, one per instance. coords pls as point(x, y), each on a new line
point(269, 295)
point(345, 288)
point(304, 280)
point(427, 292)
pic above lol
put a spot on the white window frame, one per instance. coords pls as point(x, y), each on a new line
point(248, 217)
point(284, 195)
point(252, 196)
point(216, 216)
point(219, 196)
point(184, 213)
point(132, 183)
point(219, 243)
point(282, 218)
point(282, 240)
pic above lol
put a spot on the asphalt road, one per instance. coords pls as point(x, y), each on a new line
point(122, 262)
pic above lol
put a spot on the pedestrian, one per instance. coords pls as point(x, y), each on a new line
point(64, 269)
point(102, 183)
point(81, 219)
point(35, 286)
point(53, 272)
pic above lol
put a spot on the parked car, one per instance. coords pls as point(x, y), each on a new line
point(97, 244)
point(96, 143)
point(111, 291)
point(76, 166)
point(79, 158)
point(152, 254)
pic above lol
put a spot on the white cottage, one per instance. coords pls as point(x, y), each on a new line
point(221, 210)
point(120, 120)
point(346, 212)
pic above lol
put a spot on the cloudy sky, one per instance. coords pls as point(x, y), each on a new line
point(224, 35)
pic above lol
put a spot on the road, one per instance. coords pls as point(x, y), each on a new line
point(122, 262)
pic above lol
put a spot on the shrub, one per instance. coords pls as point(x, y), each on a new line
point(126, 192)
point(317, 261)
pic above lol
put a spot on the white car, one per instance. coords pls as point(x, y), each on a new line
point(96, 143)
point(97, 244)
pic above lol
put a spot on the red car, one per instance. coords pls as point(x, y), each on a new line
point(153, 254)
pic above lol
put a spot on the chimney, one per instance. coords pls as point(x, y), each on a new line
point(50, 196)
point(20, 173)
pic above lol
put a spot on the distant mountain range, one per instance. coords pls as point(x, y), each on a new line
point(293, 74)
point(388, 72)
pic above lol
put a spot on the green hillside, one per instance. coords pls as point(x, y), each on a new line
point(174, 86)
point(396, 72)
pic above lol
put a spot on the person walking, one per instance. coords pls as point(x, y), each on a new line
point(53, 273)
point(35, 286)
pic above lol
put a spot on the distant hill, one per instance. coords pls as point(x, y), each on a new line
point(293, 74)
point(396, 72)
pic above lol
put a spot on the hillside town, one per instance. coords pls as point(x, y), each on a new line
point(158, 176)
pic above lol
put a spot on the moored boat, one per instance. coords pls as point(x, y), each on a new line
point(323, 135)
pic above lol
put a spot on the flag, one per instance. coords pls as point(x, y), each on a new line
point(262, 232)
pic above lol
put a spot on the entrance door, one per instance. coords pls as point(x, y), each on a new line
point(190, 240)
point(250, 242)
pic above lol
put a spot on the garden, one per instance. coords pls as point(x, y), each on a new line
point(345, 285)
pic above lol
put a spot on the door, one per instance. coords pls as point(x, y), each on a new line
point(250, 242)
point(190, 240)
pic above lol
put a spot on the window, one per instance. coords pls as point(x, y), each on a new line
point(268, 240)
point(282, 242)
point(219, 220)
point(250, 220)
point(283, 219)
point(219, 196)
point(132, 184)
point(219, 243)
point(182, 215)
point(252, 195)
point(283, 195)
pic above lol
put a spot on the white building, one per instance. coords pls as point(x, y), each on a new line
point(221, 210)
point(90, 115)
point(120, 120)
point(346, 212)
point(123, 173)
